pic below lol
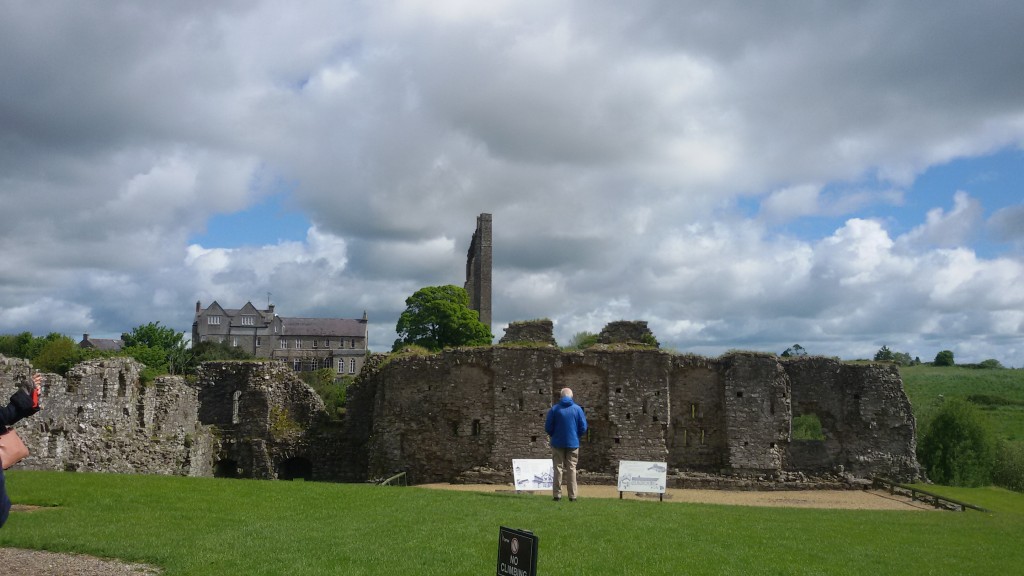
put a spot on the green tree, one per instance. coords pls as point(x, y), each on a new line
point(991, 363)
point(884, 355)
point(160, 348)
point(956, 449)
point(329, 387)
point(582, 340)
point(794, 350)
point(439, 316)
point(58, 354)
point(944, 358)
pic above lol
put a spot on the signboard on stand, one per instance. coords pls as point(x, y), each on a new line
point(635, 476)
point(517, 552)
point(532, 474)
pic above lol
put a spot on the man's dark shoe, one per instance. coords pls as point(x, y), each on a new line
point(572, 499)
point(557, 498)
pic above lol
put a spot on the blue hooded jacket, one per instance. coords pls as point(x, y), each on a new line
point(565, 424)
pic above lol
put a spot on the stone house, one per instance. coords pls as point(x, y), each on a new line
point(304, 344)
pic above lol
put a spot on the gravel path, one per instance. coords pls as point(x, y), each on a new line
point(19, 562)
point(846, 499)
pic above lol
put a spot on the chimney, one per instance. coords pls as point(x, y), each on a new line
point(198, 308)
point(270, 308)
point(85, 337)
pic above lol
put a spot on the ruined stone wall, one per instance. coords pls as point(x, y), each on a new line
point(101, 419)
point(271, 424)
point(438, 417)
point(536, 331)
point(479, 262)
point(865, 415)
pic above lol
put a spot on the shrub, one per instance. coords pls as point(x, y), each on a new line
point(807, 427)
point(1008, 469)
point(944, 358)
point(956, 449)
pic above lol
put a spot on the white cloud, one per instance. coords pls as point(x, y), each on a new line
point(616, 144)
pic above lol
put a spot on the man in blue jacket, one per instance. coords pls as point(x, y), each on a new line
point(565, 424)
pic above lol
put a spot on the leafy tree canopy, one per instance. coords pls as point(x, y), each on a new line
point(582, 340)
point(957, 449)
point(944, 358)
point(439, 316)
point(794, 350)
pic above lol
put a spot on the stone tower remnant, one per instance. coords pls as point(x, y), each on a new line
point(478, 269)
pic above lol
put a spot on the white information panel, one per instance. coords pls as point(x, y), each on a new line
point(533, 473)
point(637, 476)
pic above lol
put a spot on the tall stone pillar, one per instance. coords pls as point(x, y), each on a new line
point(478, 269)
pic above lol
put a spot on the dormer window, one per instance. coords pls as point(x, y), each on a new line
point(248, 319)
point(213, 320)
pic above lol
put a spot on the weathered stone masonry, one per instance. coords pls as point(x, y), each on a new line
point(446, 416)
point(440, 416)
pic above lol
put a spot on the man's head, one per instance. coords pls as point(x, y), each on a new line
point(567, 393)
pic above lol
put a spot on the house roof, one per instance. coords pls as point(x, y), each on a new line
point(101, 343)
point(323, 327)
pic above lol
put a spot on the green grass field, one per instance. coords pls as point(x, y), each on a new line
point(998, 394)
point(217, 526)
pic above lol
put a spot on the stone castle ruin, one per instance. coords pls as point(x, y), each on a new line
point(464, 414)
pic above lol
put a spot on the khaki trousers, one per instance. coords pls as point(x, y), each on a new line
point(564, 460)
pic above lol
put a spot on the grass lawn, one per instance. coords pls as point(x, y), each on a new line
point(218, 526)
point(998, 395)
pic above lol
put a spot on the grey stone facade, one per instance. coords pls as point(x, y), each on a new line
point(448, 416)
point(304, 344)
point(438, 417)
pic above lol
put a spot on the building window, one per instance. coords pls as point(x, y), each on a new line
point(351, 343)
point(327, 343)
point(234, 341)
point(297, 365)
point(298, 343)
point(284, 344)
point(352, 366)
point(315, 342)
point(213, 320)
point(248, 320)
point(259, 341)
point(341, 365)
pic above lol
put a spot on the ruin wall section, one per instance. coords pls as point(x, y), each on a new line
point(101, 418)
point(443, 416)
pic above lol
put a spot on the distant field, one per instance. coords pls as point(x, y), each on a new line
point(206, 526)
point(998, 394)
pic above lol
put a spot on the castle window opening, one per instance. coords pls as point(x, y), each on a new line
point(771, 444)
point(540, 391)
point(702, 437)
point(476, 427)
point(618, 390)
point(455, 428)
point(654, 418)
point(520, 403)
point(533, 439)
point(739, 394)
point(617, 439)
point(122, 385)
point(235, 400)
point(693, 411)
point(628, 415)
point(686, 438)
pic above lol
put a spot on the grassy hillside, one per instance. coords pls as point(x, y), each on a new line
point(214, 526)
point(997, 393)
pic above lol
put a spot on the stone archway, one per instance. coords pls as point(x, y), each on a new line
point(295, 468)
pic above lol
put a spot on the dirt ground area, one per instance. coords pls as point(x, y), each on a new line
point(845, 499)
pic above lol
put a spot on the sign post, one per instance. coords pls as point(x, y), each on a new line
point(517, 552)
point(642, 477)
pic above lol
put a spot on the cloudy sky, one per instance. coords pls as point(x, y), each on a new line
point(839, 175)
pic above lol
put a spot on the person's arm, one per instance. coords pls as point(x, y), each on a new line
point(581, 423)
point(549, 422)
point(24, 403)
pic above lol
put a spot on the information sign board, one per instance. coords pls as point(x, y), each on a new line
point(517, 552)
point(533, 473)
point(637, 476)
